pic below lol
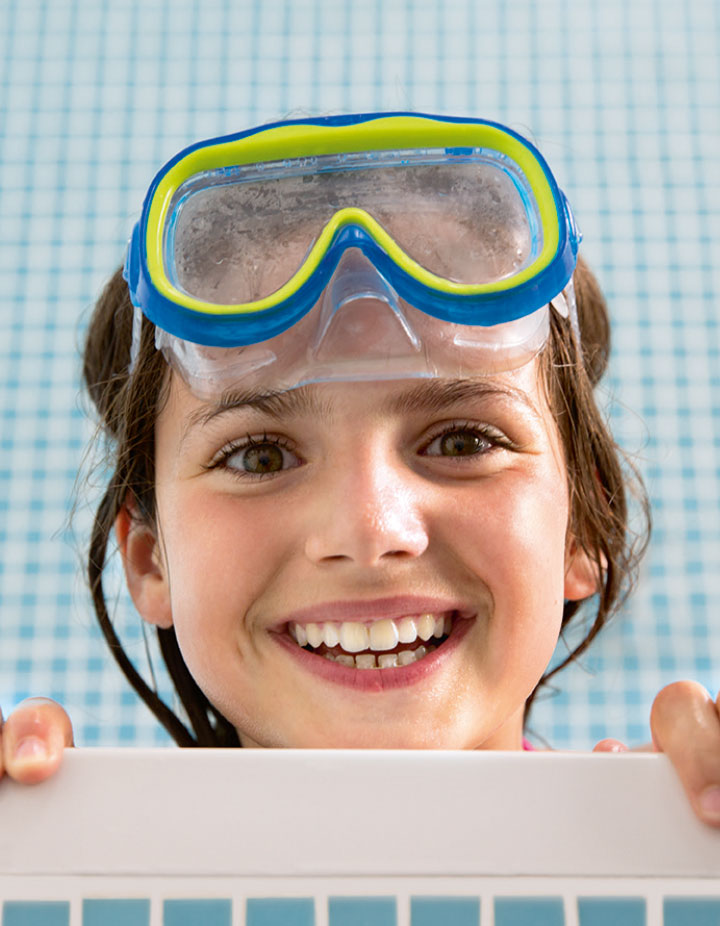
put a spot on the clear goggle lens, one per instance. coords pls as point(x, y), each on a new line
point(238, 234)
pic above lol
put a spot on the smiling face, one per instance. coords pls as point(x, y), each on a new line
point(364, 521)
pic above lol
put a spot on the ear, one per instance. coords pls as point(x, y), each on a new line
point(583, 575)
point(145, 571)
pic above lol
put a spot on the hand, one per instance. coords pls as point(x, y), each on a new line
point(32, 740)
point(685, 724)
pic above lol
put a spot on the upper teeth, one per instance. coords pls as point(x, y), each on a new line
point(354, 637)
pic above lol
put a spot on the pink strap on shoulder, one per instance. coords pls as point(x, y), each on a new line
point(527, 746)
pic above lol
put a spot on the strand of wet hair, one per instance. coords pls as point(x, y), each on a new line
point(192, 697)
point(96, 563)
point(619, 552)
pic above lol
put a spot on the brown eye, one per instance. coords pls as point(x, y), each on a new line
point(263, 458)
point(462, 443)
point(465, 441)
point(253, 458)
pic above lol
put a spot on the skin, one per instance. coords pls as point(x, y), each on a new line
point(388, 515)
point(394, 516)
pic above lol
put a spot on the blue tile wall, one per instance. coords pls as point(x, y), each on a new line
point(125, 912)
point(211, 912)
point(362, 911)
point(611, 911)
point(280, 912)
point(622, 96)
point(529, 911)
point(691, 911)
point(444, 911)
point(425, 910)
point(36, 913)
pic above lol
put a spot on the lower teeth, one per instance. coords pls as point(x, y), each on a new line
point(383, 660)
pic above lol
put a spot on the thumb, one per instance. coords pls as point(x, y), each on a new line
point(33, 739)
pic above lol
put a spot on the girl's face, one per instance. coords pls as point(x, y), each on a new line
point(361, 509)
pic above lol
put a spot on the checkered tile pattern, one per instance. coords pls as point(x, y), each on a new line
point(622, 98)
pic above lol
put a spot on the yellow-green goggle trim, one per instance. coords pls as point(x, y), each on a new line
point(469, 303)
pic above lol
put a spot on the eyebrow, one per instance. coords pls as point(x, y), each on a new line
point(440, 395)
point(278, 404)
point(433, 396)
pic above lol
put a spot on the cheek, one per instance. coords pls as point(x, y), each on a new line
point(516, 523)
point(219, 556)
point(515, 537)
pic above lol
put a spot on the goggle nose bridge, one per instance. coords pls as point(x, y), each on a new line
point(354, 282)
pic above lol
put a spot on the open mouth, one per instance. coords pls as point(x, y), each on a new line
point(382, 644)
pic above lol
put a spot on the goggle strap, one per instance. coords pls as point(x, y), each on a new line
point(565, 305)
point(135, 341)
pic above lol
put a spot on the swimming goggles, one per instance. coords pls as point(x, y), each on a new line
point(352, 247)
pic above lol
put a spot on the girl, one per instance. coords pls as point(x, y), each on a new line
point(360, 480)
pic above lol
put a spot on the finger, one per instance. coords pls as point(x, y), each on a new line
point(34, 737)
point(610, 745)
point(685, 724)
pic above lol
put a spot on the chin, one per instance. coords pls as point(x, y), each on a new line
point(384, 737)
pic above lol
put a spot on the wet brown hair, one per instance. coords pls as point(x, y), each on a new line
point(128, 407)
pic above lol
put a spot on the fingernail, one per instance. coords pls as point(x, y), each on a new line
point(31, 749)
point(710, 803)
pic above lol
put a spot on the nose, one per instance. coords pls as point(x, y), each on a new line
point(367, 512)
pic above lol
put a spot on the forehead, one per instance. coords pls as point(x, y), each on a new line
point(519, 392)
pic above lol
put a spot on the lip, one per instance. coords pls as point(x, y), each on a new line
point(377, 680)
point(378, 609)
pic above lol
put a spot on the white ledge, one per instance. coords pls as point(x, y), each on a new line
point(333, 813)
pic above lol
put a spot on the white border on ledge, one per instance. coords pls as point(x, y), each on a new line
point(213, 812)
